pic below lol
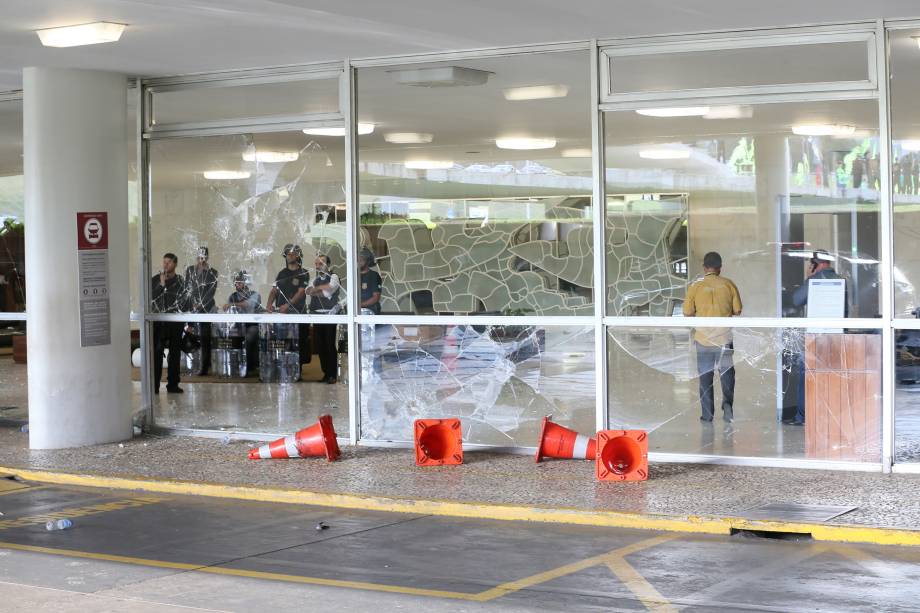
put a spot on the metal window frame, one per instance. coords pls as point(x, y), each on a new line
point(600, 52)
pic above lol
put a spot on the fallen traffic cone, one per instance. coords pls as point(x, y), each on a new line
point(438, 442)
point(622, 455)
point(559, 442)
point(316, 440)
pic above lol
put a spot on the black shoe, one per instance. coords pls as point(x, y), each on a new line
point(330, 379)
point(203, 373)
point(175, 390)
point(156, 390)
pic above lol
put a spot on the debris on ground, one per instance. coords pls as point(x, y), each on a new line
point(322, 526)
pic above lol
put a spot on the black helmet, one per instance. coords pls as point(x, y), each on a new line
point(295, 249)
point(190, 343)
point(368, 256)
point(241, 276)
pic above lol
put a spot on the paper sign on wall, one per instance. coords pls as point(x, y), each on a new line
point(93, 284)
point(826, 299)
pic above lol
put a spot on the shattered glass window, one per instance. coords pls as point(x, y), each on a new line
point(755, 392)
point(783, 192)
point(252, 220)
point(907, 395)
point(469, 212)
point(499, 380)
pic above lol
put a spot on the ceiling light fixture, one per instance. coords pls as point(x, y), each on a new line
point(83, 34)
point(680, 111)
point(916, 40)
point(363, 128)
point(665, 153)
point(909, 145)
point(823, 129)
point(226, 175)
point(730, 112)
point(576, 153)
point(428, 164)
point(408, 138)
point(525, 143)
point(536, 92)
point(440, 76)
point(270, 157)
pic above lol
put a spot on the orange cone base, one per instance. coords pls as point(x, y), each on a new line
point(622, 455)
point(316, 440)
point(438, 442)
point(559, 442)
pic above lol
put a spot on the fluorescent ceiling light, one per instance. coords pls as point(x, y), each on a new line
point(536, 92)
point(226, 175)
point(525, 143)
point(665, 153)
point(916, 39)
point(84, 34)
point(441, 76)
point(909, 145)
point(270, 157)
point(428, 164)
point(730, 112)
point(408, 138)
point(680, 111)
point(576, 153)
point(823, 129)
point(363, 128)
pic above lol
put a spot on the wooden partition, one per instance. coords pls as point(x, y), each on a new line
point(843, 396)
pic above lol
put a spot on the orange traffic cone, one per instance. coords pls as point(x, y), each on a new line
point(316, 440)
point(559, 442)
point(438, 442)
point(622, 455)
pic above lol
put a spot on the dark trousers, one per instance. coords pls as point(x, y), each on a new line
point(252, 348)
point(303, 343)
point(205, 328)
point(708, 359)
point(325, 347)
point(800, 369)
point(167, 335)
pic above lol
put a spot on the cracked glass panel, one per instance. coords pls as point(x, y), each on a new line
point(748, 382)
point(499, 380)
point(12, 210)
point(773, 188)
point(14, 392)
point(285, 99)
point(251, 220)
point(905, 172)
point(265, 378)
point(470, 212)
point(907, 396)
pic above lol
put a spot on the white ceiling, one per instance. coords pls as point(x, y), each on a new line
point(168, 37)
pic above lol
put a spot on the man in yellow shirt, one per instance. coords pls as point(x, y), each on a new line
point(714, 296)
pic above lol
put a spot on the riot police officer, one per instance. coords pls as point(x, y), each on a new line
point(324, 300)
point(167, 295)
point(201, 285)
point(288, 294)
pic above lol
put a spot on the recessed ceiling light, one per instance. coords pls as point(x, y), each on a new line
point(440, 76)
point(909, 145)
point(576, 153)
point(665, 153)
point(536, 92)
point(823, 129)
point(525, 143)
point(270, 157)
point(226, 175)
point(408, 138)
point(680, 111)
point(83, 34)
point(428, 164)
point(730, 112)
point(363, 128)
point(916, 40)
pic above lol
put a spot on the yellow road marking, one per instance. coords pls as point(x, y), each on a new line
point(74, 512)
point(639, 585)
point(608, 519)
point(487, 595)
point(8, 485)
point(28, 488)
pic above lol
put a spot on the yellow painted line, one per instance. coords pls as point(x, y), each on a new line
point(639, 585)
point(608, 519)
point(75, 512)
point(24, 488)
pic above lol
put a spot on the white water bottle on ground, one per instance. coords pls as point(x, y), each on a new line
point(58, 524)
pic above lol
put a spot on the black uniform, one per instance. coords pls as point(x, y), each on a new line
point(370, 285)
point(170, 298)
point(324, 334)
point(288, 283)
point(201, 285)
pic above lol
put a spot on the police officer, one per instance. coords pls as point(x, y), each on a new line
point(324, 299)
point(288, 295)
point(167, 295)
point(370, 281)
point(244, 300)
point(201, 285)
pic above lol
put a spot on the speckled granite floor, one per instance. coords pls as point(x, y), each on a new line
point(680, 489)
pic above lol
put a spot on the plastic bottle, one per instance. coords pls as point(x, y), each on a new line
point(58, 524)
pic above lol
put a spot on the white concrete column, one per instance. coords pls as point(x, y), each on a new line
point(75, 161)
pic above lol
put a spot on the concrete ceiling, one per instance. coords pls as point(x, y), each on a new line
point(180, 36)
